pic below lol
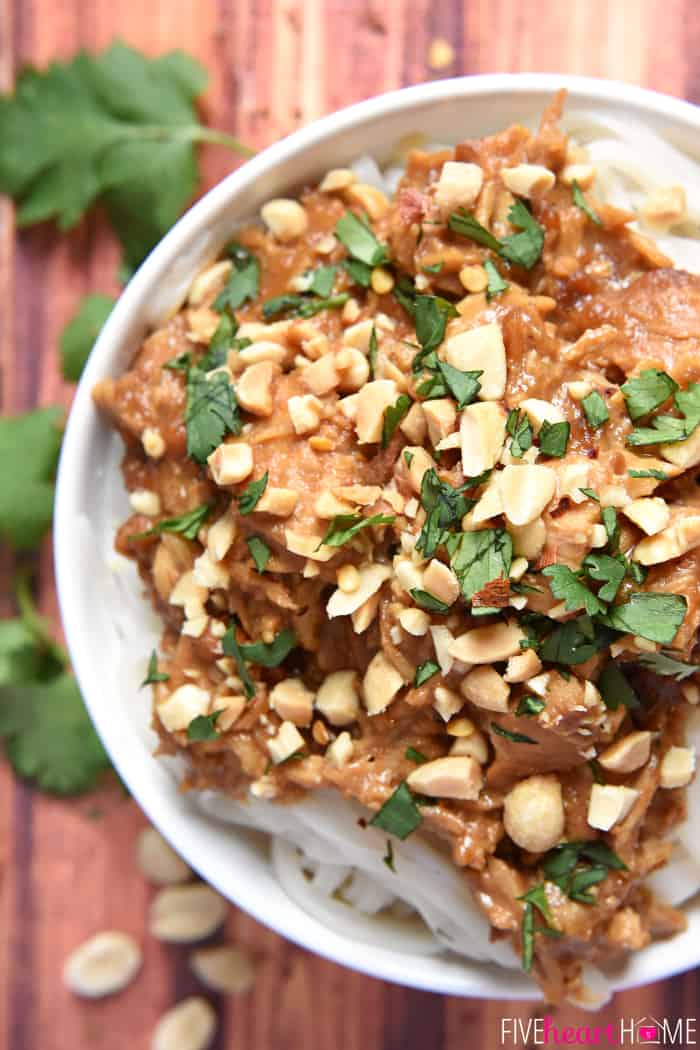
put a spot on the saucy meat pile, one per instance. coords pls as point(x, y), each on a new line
point(414, 493)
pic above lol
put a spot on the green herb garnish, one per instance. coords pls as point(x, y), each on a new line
point(252, 494)
point(260, 552)
point(595, 409)
point(153, 675)
point(211, 413)
point(515, 738)
point(399, 815)
point(425, 671)
point(393, 414)
point(203, 727)
point(345, 527)
point(360, 241)
point(187, 525)
point(581, 202)
point(553, 439)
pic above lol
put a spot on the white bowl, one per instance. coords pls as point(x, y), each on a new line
point(109, 628)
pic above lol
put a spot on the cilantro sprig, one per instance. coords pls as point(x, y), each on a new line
point(116, 128)
point(523, 248)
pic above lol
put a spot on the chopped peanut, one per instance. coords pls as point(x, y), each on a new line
point(677, 767)
point(254, 388)
point(533, 813)
point(278, 502)
point(440, 581)
point(305, 411)
point(451, 777)
point(381, 684)
point(231, 462)
point(481, 349)
point(337, 698)
point(627, 754)
point(528, 180)
point(609, 804)
point(286, 743)
point(485, 645)
point(459, 185)
point(482, 434)
point(285, 219)
point(486, 689)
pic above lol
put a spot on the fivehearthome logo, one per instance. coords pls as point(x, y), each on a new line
point(627, 1031)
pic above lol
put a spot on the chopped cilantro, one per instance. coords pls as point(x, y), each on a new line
point(659, 475)
point(479, 557)
point(425, 671)
point(372, 352)
point(496, 283)
point(230, 646)
point(320, 281)
point(591, 493)
point(203, 727)
point(615, 689)
point(393, 415)
point(444, 505)
point(344, 527)
point(415, 756)
point(301, 305)
point(153, 675)
point(431, 314)
point(669, 429)
point(187, 524)
point(270, 654)
point(567, 586)
point(360, 241)
point(554, 438)
point(667, 665)
point(523, 248)
point(574, 642)
point(612, 527)
point(606, 570)
point(252, 494)
point(388, 857)
point(211, 413)
point(433, 267)
point(181, 363)
point(520, 430)
point(358, 272)
point(260, 552)
point(243, 282)
point(515, 738)
point(648, 390)
point(581, 202)
point(530, 705)
point(428, 601)
point(595, 409)
point(656, 617)
point(399, 815)
point(463, 386)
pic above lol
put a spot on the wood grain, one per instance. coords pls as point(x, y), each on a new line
point(67, 867)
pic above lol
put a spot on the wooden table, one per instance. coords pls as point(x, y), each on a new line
point(67, 867)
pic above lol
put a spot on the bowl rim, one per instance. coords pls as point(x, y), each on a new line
point(639, 100)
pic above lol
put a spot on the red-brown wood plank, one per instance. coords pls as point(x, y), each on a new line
point(66, 868)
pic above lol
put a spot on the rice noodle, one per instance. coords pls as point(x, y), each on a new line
point(335, 869)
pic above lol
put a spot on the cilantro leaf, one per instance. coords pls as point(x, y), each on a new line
point(554, 438)
point(463, 386)
point(667, 665)
point(524, 248)
point(430, 314)
point(49, 737)
point(405, 293)
point(211, 413)
point(399, 815)
point(530, 705)
point(515, 738)
point(659, 475)
point(321, 280)
point(425, 671)
point(372, 351)
point(615, 689)
point(653, 616)
point(591, 493)
point(479, 557)
point(301, 305)
point(595, 409)
point(574, 642)
point(520, 430)
point(344, 527)
point(428, 601)
point(359, 240)
point(187, 524)
point(252, 494)
point(153, 675)
point(566, 586)
point(444, 506)
point(270, 654)
point(464, 224)
point(358, 272)
point(581, 202)
point(647, 391)
point(219, 345)
point(117, 127)
point(605, 569)
point(29, 447)
point(496, 283)
point(230, 646)
point(393, 414)
point(203, 727)
point(612, 527)
point(669, 429)
point(415, 756)
point(259, 551)
point(243, 282)
point(79, 335)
